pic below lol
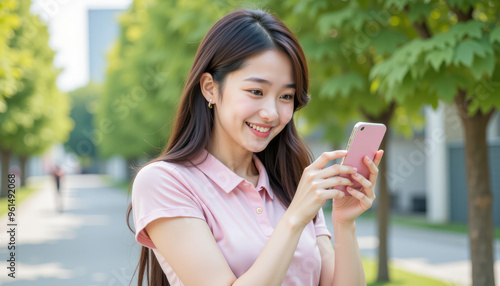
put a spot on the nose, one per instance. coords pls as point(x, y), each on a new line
point(269, 111)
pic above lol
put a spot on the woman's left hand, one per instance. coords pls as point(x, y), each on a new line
point(348, 208)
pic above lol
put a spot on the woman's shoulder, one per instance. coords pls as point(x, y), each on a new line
point(162, 176)
point(162, 169)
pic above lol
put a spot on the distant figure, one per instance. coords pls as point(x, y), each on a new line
point(58, 173)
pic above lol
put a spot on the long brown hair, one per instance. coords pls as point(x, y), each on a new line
point(232, 40)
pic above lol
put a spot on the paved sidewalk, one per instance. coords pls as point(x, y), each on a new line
point(88, 243)
point(439, 254)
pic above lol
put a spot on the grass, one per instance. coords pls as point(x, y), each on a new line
point(398, 277)
point(21, 194)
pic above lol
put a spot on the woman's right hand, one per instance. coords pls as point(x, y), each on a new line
point(316, 187)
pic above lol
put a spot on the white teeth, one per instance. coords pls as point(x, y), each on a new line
point(258, 128)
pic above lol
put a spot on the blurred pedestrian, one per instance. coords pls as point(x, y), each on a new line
point(58, 174)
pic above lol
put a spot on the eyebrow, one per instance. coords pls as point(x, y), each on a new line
point(265, 81)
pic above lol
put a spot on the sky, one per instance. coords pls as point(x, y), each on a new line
point(68, 27)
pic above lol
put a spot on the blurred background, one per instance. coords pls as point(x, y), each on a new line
point(88, 91)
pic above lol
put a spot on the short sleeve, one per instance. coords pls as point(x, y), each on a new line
point(158, 192)
point(320, 225)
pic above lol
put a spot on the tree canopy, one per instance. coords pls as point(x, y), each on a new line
point(34, 114)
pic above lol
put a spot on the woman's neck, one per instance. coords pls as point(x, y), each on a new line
point(238, 161)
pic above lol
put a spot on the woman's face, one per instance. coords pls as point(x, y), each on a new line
point(257, 102)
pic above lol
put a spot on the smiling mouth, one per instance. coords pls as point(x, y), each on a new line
point(258, 128)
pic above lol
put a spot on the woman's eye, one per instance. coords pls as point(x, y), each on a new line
point(287, 96)
point(256, 92)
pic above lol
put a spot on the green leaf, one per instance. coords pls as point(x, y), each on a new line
point(418, 10)
point(3, 105)
point(335, 19)
point(464, 52)
point(483, 65)
point(445, 87)
point(387, 41)
point(343, 85)
point(418, 70)
point(396, 75)
point(409, 53)
point(495, 35)
point(443, 40)
point(397, 4)
point(462, 5)
point(381, 69)
point(472, 29)
point(438, 57)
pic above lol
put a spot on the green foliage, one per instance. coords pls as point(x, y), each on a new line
point(495, 35)
point(363, 56)
point(460, 57)
point(36, 113)
point(82, 138)
point(146, 73)
point(344, 42)
point(10, 66)
point(343, 85)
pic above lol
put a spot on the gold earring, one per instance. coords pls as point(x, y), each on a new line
point(210, 103)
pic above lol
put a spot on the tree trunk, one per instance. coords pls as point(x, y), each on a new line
point(383, 196)
point(479, 193)
point(22, 166)
point(5, 154)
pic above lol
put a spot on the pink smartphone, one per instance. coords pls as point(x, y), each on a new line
point(364, 141)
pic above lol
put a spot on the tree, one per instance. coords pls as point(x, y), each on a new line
point(454, 58)
point(84, 106)
point(10, 67)
point(343, 42)
point(147, 68)
point(36, 114)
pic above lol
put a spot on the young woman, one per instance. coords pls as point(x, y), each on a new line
point(235, 198)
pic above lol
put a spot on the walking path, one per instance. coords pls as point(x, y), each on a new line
point(439, 254)
point(88, 243)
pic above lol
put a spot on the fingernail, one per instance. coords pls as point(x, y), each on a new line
point(349, 189)
point(355, 175)
point(367, 159)
point(355, 169)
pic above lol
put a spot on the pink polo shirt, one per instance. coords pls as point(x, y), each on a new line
point(241, 217)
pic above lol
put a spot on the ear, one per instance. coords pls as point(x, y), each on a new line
point(208, 87)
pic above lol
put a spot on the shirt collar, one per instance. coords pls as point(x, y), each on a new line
point(224, 177)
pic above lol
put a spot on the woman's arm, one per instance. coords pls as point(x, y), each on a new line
point(347, 266)
point(342, 266)
point(327, 260)
point(191, 250)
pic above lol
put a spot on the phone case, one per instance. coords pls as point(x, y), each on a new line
point(364, 141)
